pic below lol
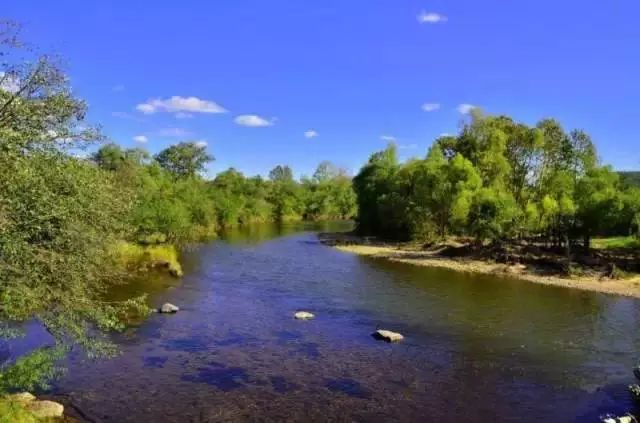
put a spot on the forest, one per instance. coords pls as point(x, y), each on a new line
point(497, 181)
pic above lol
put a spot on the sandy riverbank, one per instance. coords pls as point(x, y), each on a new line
point(407, 254)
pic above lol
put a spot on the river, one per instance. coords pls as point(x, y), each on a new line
point(476, 349)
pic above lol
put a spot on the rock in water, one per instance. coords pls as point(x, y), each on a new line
point(45, 409)
point(169, 308)
point(612, 418)
point(303, 315)
point(387, 335)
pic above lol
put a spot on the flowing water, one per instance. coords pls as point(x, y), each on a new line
point(476, 348)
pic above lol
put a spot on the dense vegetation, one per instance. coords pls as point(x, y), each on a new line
point(630, 178)
point(63, 218)
point(498, 180)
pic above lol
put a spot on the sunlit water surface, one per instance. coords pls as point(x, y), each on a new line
point(477, 348)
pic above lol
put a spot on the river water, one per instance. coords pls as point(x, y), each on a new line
point(476, 348)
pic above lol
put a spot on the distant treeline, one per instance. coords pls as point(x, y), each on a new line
point(498, 180)
point(630, 178)
point(173, 202)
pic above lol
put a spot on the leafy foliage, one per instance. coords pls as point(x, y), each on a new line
point(497, 180)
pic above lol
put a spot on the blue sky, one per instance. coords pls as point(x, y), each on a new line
point(349, 74)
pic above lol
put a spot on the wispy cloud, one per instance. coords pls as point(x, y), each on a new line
point(174, 132)
point(431, 18)
point(141, 139)
point(253, 121)
point(311, 134)
point(465, 108)
point(178, 104)
point(430, 107)
point(388, 138)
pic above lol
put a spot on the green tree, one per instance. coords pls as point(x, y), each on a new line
point(58, 215)
point(599, 202)
point(186, 159)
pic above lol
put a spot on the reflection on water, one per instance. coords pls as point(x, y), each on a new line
point(477, 348)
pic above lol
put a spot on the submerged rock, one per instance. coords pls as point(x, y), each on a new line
point(45, 409)
point(304, 315)
point(387, 335)
point(169, 308)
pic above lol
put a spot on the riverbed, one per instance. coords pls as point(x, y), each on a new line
point(477, 348)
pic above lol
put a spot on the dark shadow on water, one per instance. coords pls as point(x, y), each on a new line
point(186, 344)
point(155, 361)
point(233, 339)
point(348, 387)
point(285, 336)
point(309, 349)
point(282, 385)
point(224, 378)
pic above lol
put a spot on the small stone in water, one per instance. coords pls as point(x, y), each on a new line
point(303, 315)
point(387, 335)
point(169, 308)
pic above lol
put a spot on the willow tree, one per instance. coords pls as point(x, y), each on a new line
point(59, 216)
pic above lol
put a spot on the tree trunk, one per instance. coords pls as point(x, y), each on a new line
point(567, 251)
point(587, 242)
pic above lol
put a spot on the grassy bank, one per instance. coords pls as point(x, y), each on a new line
point(537, 268)
point(14, 412)
point(135, 257)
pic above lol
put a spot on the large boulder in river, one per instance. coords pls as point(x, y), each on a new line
point(387, 335)
point(304, 315)
point(45, 409)
point(169, 308)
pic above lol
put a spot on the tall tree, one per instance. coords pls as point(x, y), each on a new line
point(186, 159)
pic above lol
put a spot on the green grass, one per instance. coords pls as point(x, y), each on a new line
point(620, 242)
point(14, 412)
point(139, 256)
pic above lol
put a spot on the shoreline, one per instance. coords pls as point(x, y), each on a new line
point(402, 253)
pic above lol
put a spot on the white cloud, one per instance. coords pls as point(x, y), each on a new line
point(431, 18)
point(465, 108)
point(430, 107)
point(141, 139)
point(253, 121)
point(145, 108)
point(174, 132)
point(177, 104)
point(388, 138)
point(183, 115)
point(201, 143)
point(10, 83)
point(311, 134)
